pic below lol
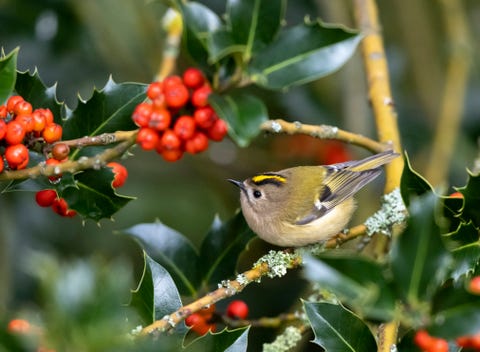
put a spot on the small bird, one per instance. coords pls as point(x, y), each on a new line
point(306, 204)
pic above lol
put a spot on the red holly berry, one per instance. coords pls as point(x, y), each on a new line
point(205, 117)
point(22, 108)
point(335, 152)
point(218, 131)
point(199, 324)
point(15, 132)
point(171, 81)
point(438, 345)
point(1, 164)
point(60, 151)
point(27, 122)
point(45, 197)
point(474, 285)
point(60, 207)
point(18, 326)
point(154, 90)
point(237, 309)
point(3, 111)
point(456, 195)
point(200, 96)
point(172, 154)
point(120, 174)
point(52, 133)
point(170, 140)
point(193, 78)
point(184, 127)
point(198, 143)
point(141, 114)
point(160, 119)
point(17, 156)
point(147, 138)
point(39, 120)
point(176, 95)
point(12, 101)
point(423, 339)
point(3, 129)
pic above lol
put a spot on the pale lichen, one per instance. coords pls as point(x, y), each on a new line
point(392, 212)
point(284, 342)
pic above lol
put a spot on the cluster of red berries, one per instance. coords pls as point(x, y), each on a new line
point(178, 118)
point(205, 320)
point(21, 126)
point(471, 342)
point(24, 327)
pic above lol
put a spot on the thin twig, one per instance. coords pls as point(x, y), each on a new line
point(126, 139)
point(323, 132)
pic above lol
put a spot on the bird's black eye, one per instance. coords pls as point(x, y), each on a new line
point(257, 193)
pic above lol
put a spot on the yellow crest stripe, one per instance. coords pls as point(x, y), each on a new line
point(262, 178)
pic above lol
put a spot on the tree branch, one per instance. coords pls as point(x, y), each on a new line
point(126, 139)
point(323, 132)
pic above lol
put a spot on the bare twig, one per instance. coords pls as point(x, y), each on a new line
point(126, 139)
point(323, 132)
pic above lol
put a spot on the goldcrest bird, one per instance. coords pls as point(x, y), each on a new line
point(306, 204)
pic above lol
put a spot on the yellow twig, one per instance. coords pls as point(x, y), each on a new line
point(173, 25)
point(323, 132)
point(385, 115)
point(452, 103)
point(379, 87)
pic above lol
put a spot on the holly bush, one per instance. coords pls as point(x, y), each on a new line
point(405, 279)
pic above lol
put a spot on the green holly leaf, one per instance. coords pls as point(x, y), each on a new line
point(31, 88)
point(156, 294)
point(254, 23)
point(419, 260)
point(412, 184)
point(357, 281)
point(455, 313)
point(171, 250)
point(465, 251)
point(228, 341)
point(221, 247)
point(337, 329)
point(92, 195)
point(199, 22)
point(243, 112)
point(302, 54)
point(8, 74)
point(471, 195)
point(108, 110)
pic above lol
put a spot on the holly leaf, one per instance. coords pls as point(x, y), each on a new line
point(412, 183)
point(8, 74)
point(465, 251)
point(108, 110)
point(302, 54)
point(93, 196)
point(227, 340)
point(254, 23)
point(221, 247)
point(244, 114)
point(171, 250)
point(357, 281)
point(419, 260)
point(32, 89)
point(199, 23)
point(471, 195)
point(156, 294)
point(337, 329)
point(455, 313)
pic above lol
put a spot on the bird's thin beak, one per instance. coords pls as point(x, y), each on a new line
point(239, 184)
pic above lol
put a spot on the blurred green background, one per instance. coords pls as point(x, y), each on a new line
point(78, 44)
